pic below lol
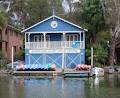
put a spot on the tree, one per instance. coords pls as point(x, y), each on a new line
point(111, 10)
point(3, 20)
point(29, 12)
point(92, 18)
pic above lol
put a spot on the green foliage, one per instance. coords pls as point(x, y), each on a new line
point(33, 11)
point(37, 10)
point(91, 17)
point(3, 61)
point(3, 19)
point(100, 55)
point(1, 54)
point(20, 54)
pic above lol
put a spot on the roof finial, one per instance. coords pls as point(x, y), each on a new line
point(53, 11)
point(53, 7)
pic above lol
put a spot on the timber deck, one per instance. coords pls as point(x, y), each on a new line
point(77, 74)
point(36, 73)
point(65, 73)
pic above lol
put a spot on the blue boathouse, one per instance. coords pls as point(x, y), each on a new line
point(54, 41)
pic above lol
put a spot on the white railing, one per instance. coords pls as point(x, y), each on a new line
point(55, 44)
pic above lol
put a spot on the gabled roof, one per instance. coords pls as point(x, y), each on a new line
point(29, 29)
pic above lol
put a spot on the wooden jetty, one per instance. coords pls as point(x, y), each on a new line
point(65, 73)
point(36, 73)
point(75, 73)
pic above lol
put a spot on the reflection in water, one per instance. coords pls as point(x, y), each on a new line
point(58, 87)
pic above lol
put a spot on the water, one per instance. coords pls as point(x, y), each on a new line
point(58, 87)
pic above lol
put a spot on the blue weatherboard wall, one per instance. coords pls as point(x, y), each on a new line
point(55, 59)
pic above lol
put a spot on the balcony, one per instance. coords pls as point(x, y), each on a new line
point(55, 45)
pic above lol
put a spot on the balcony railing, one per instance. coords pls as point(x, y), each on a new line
point(55, 45)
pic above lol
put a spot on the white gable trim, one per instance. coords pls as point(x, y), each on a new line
point(70, 23)
point(50, 18)
point(37, 24)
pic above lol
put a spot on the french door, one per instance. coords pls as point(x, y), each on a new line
point(71, 38)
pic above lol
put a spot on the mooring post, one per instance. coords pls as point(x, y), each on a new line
point(92, 59)
point(12, 57)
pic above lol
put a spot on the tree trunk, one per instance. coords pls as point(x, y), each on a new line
point(111, 55)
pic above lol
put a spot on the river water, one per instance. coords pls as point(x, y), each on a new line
point(58, 87)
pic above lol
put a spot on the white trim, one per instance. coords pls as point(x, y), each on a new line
point(37, 24)
point(29, 37)
point(54, 51)
point(70, 23)
point(53, 17)
point(55, 32)
point(44, 39)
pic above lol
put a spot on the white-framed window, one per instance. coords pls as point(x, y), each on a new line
point(40, 38)
point(72, 37)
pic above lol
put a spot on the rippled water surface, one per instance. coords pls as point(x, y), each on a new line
point(58, 87)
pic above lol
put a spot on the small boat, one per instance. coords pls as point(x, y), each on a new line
point(97, 71)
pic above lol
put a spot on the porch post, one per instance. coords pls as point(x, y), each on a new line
point(44, 55)
point(80, 40)
point(84, 40)
point(44, 34)
point(29, 46)
point(29, 37)
point(63, 52)
point(25, 39)
point(80, 46)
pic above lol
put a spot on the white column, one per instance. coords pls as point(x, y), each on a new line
point(44, 40)
point(84, 40)
point(25, 40)
point(29, 46)
point(63, 53)
point(80, 40)
point(44, 56)
point(28, 37)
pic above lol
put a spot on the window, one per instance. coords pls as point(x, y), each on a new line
point(47, 38)
point(76, 37)
point(35, 38)
point(40, 38)
point(72, 37)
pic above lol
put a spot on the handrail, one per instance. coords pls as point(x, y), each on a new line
point(54, 44)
